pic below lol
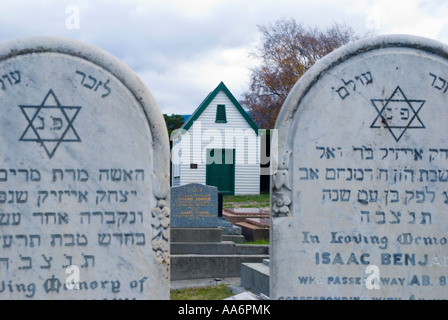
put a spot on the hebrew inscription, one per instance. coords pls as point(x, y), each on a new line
point(79, 178)
point(367, 176)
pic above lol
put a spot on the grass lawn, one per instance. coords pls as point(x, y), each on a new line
point(263, 241)
point(219, 292)
point(256, 201)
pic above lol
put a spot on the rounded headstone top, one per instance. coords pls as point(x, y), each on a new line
point(84, 160)
point(355, 48)
point(98, 56)
point(104, 61)
point(361, 48)
point(361, 175)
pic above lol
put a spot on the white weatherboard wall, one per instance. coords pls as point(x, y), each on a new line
point(205, 134)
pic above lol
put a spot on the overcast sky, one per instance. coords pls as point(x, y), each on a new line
point(182, 49)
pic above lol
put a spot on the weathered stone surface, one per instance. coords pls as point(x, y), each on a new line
point(246, 211)
point(194, 206)
point(195, 235)
point(255, 276)
point(261, 222)
point(360, 191)
point(253, 232)
point(236, 215)
point(84, 171)
point(198, 266)
point(228, 228)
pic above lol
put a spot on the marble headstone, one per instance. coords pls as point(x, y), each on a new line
point(84, 187)
point(194, 206)
point(360, 195)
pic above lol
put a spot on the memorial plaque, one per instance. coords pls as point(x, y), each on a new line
point(84, 187)
point(194, 206)
point(360, 193)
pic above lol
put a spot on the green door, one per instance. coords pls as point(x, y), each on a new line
point(221, 170)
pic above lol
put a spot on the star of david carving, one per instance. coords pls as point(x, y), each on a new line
point(50, 123)
point(398, 113)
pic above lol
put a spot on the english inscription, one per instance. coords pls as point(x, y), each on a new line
point(194, 205)
point(364, 166)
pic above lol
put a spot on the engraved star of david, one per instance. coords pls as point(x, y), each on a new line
point(50, 123)
point(398, 113)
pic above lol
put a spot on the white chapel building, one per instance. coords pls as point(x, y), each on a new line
point(218, 145)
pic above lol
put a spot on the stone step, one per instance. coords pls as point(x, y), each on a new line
point(237, 238)
point(191, 266)
point(195, 235)
point(252, 248)
point(266, 262)
point(255, 276)
point(223, 247)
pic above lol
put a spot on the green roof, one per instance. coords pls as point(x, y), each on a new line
point(221, 87)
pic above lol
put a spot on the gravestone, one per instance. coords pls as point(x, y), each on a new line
point(359, 196)
point(194, 206)
point(84, 187)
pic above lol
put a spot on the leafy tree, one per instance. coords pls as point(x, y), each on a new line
point(175, 121)
point(288, 49)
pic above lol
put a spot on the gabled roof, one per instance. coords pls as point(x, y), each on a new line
point(209, 99)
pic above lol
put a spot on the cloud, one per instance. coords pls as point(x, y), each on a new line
point(183, 49)
point(193, 80)
point(416, 17)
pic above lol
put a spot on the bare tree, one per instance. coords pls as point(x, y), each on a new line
point(287, 51)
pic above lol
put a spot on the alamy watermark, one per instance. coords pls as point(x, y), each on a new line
point(370, 279)
point(73, 20)
point(198, 146)
point(73, 280)
point(373, 280)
